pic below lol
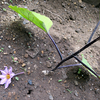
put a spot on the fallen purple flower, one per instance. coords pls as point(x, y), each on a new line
point(6, 76)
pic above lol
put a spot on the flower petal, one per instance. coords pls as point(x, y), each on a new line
point(10, 70)
point(3, 72)
point(2, 76)
point(7, 83)
point(6, 69)
point(3, 81)
point(12, 75)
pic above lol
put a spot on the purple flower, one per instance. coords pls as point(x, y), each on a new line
point(6, 76)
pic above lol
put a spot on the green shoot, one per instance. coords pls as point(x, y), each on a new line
point(69, 91)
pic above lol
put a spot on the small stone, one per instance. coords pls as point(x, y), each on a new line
point(26, 55)
point(13, 17)
point(23, 65)
point(9, 47)
point(80, 1)
point(30, 82)
point(48, 64)
point(20, 61)
point(76, 83)
point(64, 74)
point(14, 52)
point(77, 30)
point(28, 63)
point(54, 60)
point(35, 66)
point(45, 72)
point(29, 68)
point(5, 53)
point(28, 72)
point(63, 5)
point(76, 93)
point(50, 97)
point(72, 17)
point(25, 22)
point(9, 94)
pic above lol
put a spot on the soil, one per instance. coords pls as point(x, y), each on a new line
point(73, 23)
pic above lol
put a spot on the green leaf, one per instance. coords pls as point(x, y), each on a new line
point(20, 16)
point(17, 78)
point(69, 91)
point(85, 62)
point(60, 80)
point(4, 9)
point(41, 21)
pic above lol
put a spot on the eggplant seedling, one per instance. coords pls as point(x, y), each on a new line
point(45, 24)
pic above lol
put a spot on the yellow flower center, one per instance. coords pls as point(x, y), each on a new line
point(7, 76)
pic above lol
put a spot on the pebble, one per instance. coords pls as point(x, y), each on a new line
point(77, 30)
point(26, 55)
point(25, 22)
point(76, 93)
point(48, 64)
point(23, 65)
point(9, 47)
point(50, 97)
point(28, 63)
point(76, 83)
point(30, 82)
point(35, 66)
point(12, 17)
point(45, 72)
point(20, 61)
point(29, 68)
point(63, 5)
point(28, 72)
point(64, 74)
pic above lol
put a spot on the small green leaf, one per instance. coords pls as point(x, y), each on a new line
point(2, 48)
point(4, 9)
point(79, 71)
point(20, 16)
point(85, 62)
point(49, 58)
point(11, 1)
point(17, 78)
point(39, 20)
point(69, 91)
point(60, 80)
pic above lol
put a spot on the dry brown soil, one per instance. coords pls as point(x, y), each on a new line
point(73, 23)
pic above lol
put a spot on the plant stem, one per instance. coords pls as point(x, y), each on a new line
point(70, 65)
point(93, 32)
point(71, 56)
point(55, 46)
point(19, 73)
point(86, 66)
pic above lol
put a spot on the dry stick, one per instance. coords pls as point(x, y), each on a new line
point(71, 56)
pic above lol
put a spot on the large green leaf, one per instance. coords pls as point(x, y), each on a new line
point(41, 21)
point(86, 63)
